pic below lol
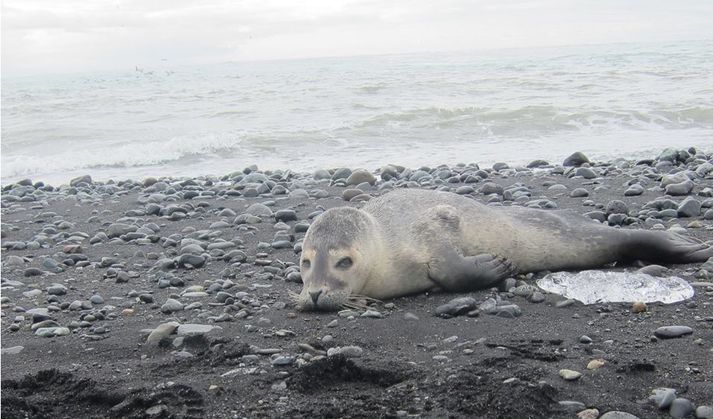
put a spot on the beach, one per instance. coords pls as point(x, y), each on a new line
point(162, 297)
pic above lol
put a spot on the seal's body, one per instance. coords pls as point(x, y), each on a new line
point(411, 241)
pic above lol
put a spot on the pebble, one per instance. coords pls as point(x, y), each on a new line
point(52, 331)
point(704, 412)
point(663, 397)
point(596, 364)
point(13, 350)
point(370, 313)
point(575, 159)
point(680, 408)
point(616, 414)
point(456, 307)
point(570, 375)
point(283, 361)
point(588, 414)
point(171, 305)
point(670, 332)
point(347, 351)
point(195, 329)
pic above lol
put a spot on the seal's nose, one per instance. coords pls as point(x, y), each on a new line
point(315, 295)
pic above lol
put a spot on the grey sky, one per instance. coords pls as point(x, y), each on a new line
point(50, 36)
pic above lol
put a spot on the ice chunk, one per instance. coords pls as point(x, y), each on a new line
point(591, 287)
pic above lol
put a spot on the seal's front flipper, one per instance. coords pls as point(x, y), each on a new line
point(455, 272)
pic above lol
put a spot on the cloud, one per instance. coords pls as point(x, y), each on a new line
point(42, 36)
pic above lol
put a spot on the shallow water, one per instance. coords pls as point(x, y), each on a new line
point(510, 105)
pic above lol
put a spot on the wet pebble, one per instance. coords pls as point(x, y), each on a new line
point(670, 332)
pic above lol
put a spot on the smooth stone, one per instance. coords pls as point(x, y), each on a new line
point(195, 329)
point(13, 350)
point(579, 193)
point(616, 414)
point(680, 408)
point(570, 375)
point(456, 307)
point(52, 331)
point(690, 207)
point(678, 189)
point(575, 159)
point(283, 361)
point(32, 293)
point(670, 332)
point(347, 351)
point(373, 314)
point(634, 190)
point(663, 397)
point(171, 305)
point(704, 412)
point(360, 176)
point(259, 210)
point(57, 289)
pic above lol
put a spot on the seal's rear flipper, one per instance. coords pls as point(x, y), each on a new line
point(455, 272)
point(668, 247)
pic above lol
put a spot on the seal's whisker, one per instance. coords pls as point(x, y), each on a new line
point(364, 297)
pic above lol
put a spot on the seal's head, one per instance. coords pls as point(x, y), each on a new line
point(334, 261)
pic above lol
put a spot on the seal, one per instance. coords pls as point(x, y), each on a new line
point(410, 241)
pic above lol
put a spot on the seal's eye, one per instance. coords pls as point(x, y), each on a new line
point(344, 263)
point(306, 263)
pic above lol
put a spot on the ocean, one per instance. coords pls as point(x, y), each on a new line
point(515, 105)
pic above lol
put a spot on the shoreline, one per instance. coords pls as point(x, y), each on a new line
point(146, 172)
point(165, 296)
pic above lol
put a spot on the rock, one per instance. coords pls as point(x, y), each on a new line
point(537, 163)
point(690, 207)
point(670, 332)
point(171, 305)
point(32, 272)
point(119, 229)
point(360, 176)
point(321, 174)
point(500, 166)
point(13, 350)
point(634, 190)
point(663, 397)
point(579, 193)
point(595, 364)
point(586, 173)
point(616, 414)
point(704, 412)
point(588, 414)
point(491, 188)
point(49, 332)
point(81, 179)
point(680, 408)
point(617, 207)
point(195, 261)
point(370, 313)
point(161, 332)
point(285, 215)
point(195, 329)
point(576, 159)
point(347, 351)
point(283, 361)
point(259, 210)
point(57, 289)
point(570, 375)
point(678, 189)
point(456, 307)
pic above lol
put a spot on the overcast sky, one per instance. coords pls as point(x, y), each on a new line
point(52, 36)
